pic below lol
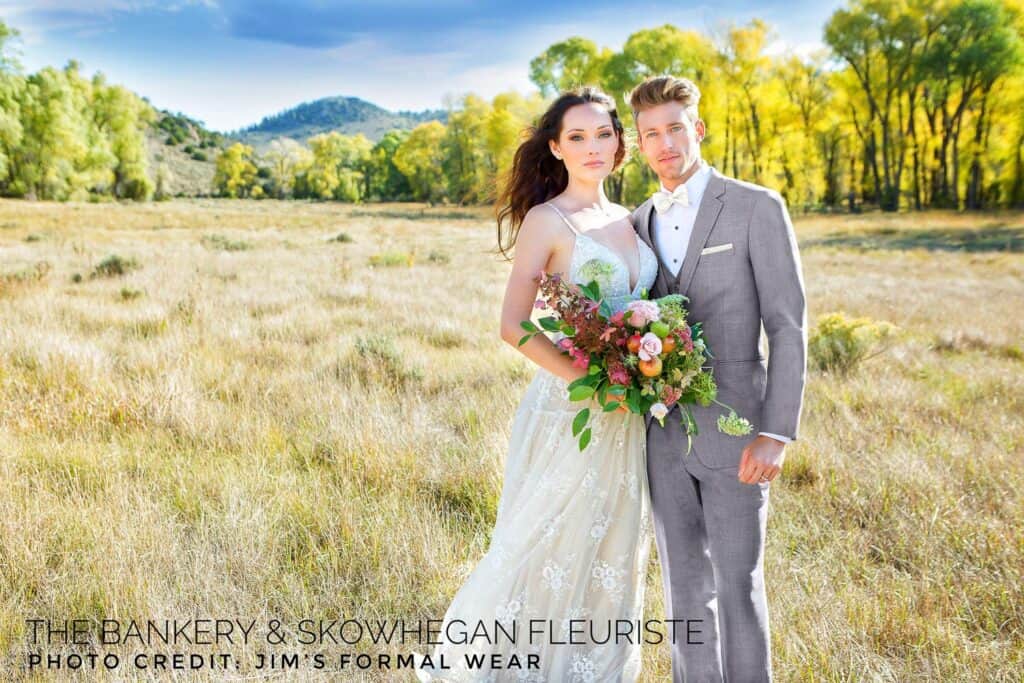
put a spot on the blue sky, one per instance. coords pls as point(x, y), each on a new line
point(229, 63)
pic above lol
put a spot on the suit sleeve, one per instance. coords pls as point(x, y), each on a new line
point(778, 276)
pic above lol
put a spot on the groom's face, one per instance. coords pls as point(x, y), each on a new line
point(670, 141)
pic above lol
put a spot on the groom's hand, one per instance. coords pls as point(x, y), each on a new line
point(762, 457)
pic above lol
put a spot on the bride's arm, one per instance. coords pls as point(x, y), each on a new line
point(535, 243)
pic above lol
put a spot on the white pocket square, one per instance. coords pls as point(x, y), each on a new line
point(716, 249)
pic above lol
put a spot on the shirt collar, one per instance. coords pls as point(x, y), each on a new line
point(696, 184)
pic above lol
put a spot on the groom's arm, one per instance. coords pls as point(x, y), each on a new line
point(778, 277)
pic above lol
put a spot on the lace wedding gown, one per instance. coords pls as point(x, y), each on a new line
point(571, 538)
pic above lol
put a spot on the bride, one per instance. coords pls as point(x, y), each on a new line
point(565, 572)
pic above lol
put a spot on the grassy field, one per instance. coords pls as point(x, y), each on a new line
point(289, 410)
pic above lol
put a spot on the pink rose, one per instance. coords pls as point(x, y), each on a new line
point(616, 318)
point(642, 312)
point(650, 346)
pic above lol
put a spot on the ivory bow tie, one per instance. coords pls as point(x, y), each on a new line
point(663, 201)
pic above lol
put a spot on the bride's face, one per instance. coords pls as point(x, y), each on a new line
point(587, 142)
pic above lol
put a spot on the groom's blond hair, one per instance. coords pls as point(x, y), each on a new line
point(661, 89)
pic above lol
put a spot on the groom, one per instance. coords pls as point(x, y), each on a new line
point(729, 247)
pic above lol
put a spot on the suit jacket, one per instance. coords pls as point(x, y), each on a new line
point(748, 275)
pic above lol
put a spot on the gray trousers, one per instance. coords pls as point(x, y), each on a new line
point(710, 531)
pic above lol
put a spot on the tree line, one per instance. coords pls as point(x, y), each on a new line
point(63, 136)
point(913, 104)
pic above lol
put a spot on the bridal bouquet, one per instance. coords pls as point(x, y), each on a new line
point(646, 357)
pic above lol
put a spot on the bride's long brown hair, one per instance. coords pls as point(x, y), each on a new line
point(536, 175)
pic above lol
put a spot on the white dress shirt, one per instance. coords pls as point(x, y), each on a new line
point(672, 230)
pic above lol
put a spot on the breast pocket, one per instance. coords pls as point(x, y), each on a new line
point(717, 249)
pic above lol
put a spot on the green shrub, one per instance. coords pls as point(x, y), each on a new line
point(840, 344)
point(393, 258)
point(375, 360)
point(438, 257)
point(222, 242)
point(114, 266)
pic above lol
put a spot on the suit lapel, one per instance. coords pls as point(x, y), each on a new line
point(644, 230)
point(707, 214)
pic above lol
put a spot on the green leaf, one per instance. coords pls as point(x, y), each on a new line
point(592, 290)
point(526, 338)
point(580, 421)
point(581, 393)
point(550, 324)
point(567, 329)
point(612, 405)
point(617, 393)
point(585, 438)
point(584, 381)
point(528, 326)
point(594, 369)
point(691, 423)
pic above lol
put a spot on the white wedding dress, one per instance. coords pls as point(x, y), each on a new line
point(572, 535)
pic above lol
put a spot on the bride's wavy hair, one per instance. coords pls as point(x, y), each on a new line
point(536, 175)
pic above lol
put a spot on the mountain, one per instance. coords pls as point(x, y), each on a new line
point(182, 150)
point(347, 115)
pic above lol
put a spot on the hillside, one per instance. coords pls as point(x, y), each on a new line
point(182, 152)
point(347, 115)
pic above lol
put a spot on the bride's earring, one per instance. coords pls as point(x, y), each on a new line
point(557, 155)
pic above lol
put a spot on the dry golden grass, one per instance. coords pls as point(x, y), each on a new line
point(199, 436)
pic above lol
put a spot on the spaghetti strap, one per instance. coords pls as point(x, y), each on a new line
point(562, 216)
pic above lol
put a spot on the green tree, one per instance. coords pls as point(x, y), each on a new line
point(285, 158)
point(975, 45)
point(12, 84)
point(419, 158)
point(569, 64)
point(467, 167)
point(386, 180)
point(122, 118)
point(338, 166)
point(235, 174)
point(882, 41)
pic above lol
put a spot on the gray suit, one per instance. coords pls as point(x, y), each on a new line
point(709, 526)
